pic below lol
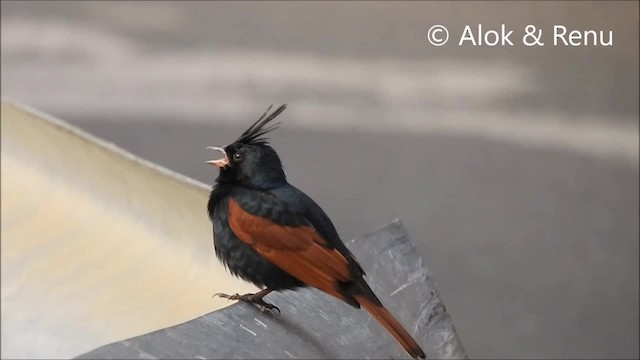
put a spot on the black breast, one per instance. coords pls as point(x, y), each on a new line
point(238, 257)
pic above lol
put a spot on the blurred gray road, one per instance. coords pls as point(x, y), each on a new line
point(515, 169)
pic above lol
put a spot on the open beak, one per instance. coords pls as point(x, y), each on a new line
point(221, 163)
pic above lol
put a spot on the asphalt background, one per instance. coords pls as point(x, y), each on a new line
point(515, 169)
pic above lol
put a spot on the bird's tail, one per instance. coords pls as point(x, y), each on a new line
point(384, 317)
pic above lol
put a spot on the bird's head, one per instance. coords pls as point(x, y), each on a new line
point(250, 161)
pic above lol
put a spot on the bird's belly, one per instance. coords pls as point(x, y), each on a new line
point(246, 263)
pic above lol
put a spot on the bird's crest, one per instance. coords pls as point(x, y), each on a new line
point(254, 134)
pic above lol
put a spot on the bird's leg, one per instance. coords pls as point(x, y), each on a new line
point(254, 299)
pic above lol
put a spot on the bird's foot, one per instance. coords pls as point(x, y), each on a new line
point(253, 299)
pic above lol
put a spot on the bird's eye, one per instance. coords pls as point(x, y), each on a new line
point(237, 156)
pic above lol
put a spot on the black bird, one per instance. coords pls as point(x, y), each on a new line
point(271, 234)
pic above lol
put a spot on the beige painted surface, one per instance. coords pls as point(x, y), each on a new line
point(97, 245)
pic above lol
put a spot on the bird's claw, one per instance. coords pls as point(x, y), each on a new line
point(258, 303)
point(229, 297)
point(264, 307)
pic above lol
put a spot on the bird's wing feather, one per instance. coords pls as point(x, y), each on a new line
point(316, 217)
point(298, 250)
